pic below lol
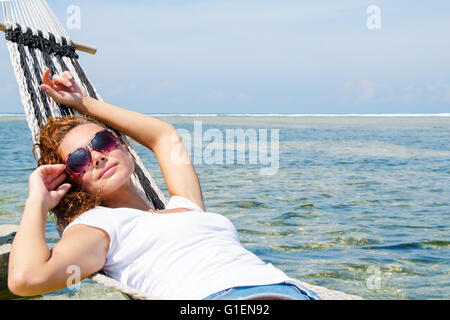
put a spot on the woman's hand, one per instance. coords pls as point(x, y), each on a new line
point(44, 184)
point(63, 89)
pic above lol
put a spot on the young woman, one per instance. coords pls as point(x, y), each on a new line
point(84, 178)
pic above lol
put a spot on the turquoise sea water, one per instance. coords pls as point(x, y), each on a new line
point(357, 204)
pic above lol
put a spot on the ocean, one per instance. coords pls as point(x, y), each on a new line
point(356, 203)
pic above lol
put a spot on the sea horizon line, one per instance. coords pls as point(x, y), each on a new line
point(277, 114)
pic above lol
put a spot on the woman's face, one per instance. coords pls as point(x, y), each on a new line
point(108, 171)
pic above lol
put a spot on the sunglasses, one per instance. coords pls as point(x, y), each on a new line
point(78, 161)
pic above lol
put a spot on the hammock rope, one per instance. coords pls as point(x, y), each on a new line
point(36, 40)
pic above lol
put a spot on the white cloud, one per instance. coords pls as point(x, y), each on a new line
point(283, 100)
point(216, 95)
point(412, 94)
point(432, 93)
point(243, 97)
point(118, 90)
point(365, 90)
point(163, 85)
point(439, 92)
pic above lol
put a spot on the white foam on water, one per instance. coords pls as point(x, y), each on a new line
point(366, 149)
point(11, 115)
point(301, 115)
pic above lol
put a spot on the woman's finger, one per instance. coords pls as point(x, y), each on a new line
point(50, 91)
point(62, 190)
point(67, 75)
point(60, 80)
point(56, 195)
point(46, 77)
point(57, 181)
point(50, 172)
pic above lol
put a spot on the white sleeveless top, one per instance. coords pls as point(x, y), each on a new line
point(185, 255)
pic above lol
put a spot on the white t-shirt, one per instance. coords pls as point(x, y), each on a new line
point(184, 255)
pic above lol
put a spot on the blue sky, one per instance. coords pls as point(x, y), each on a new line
point(261, 56)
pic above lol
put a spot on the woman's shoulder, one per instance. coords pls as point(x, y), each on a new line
point(182, 202)
point(94, 211)
point(98, 216)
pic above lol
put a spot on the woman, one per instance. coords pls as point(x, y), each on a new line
point(84, 178)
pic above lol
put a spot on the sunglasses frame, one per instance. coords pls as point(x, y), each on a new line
point(89, 149)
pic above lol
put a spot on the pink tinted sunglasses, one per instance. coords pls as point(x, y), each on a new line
point(79, 160)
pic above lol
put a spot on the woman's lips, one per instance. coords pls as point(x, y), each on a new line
point(110, 170)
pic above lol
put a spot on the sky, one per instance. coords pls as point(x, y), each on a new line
point(260, 56)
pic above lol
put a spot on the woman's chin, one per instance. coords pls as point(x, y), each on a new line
point(114, 185)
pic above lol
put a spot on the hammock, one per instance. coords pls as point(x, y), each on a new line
point(36, 40)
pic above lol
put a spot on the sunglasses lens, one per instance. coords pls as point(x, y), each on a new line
point(78, 161)
point(104, 141)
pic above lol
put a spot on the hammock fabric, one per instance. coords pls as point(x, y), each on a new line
point(36, 41)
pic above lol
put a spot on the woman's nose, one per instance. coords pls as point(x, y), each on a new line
point(97, 158)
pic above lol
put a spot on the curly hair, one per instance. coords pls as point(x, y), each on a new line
point(77, 200)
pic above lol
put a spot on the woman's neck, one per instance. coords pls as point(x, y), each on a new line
point(126, 197)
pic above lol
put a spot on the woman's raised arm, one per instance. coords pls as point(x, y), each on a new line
point(157, 135)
